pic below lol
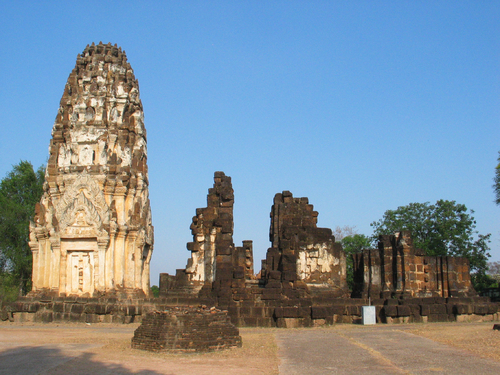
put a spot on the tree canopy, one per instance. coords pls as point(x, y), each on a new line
point(353, 244)
point(496, 179)
point(341, 232)
point(444, 228)
point(494, 271)
point(20, 190)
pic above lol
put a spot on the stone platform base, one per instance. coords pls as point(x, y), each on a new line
point(186, 329)
point(89, 310)
point(307, 313)
point(299, 312)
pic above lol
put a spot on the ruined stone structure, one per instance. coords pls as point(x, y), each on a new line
point(304, 265)
point(186, 329)
point(303, 278)
point(92, 240)
point(294, 290)
point(92, 232)
point(397, 269)
point(302, 251)
point(214, 261)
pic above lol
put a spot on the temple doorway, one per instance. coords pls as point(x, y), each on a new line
point(80, 267)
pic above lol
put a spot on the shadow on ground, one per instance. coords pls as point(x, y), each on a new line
point(58, 359)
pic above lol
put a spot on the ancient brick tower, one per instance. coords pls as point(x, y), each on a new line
point(92, 233)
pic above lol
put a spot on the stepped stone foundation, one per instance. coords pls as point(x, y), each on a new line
point(186, 329)
point(92, 234)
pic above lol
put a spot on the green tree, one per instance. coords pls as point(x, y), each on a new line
point(354, 244)
point(496, 179)
point(20, 190)
point(155, 291)
point(444, 228)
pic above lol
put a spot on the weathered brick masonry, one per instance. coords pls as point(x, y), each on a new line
point(303, 278)
point(284, 313)
point(398, 269)
point(186, 329)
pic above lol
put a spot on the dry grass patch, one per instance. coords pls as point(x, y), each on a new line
point(478, 338)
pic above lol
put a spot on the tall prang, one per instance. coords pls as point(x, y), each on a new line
point(92, 233)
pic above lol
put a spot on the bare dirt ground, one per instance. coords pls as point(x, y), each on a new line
point(71, 348)
point(105, 348)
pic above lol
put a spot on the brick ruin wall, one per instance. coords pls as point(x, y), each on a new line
point(217, 268)
point(397, 269)
point(303, 282)
point(301, 251)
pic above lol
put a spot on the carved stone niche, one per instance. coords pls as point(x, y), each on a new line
point(80, 265)
point(83, 247)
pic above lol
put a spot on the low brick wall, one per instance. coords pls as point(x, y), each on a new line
point(437, 309)
point(186, 329)
point(89, 310)
point(284, 313)
point(307, 313)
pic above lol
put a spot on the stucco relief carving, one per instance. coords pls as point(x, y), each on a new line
point(64, 158)
point(315, 258)
point(81, 218)
point(93, 194)
point(74, 115)
point(114, 115)
point(86, 155)
point(125, 155)
point(86, 134)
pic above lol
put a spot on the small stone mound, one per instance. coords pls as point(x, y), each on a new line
point(186, 329)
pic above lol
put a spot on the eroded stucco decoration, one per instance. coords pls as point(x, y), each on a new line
point(315, 260)
point(92, 232)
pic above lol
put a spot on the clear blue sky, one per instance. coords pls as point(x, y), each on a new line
point(362, 106)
